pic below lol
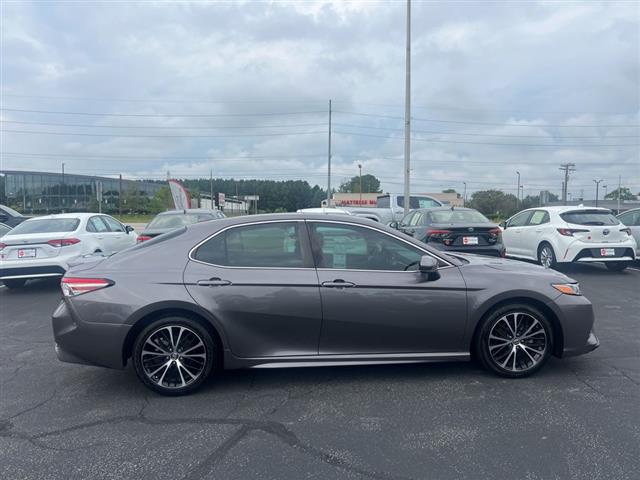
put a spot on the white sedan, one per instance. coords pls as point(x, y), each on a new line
point(555, 235)
point(44, 246)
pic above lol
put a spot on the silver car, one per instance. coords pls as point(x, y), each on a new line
point(291, 290)
point(631, 219)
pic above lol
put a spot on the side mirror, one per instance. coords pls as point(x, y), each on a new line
point(503, 224)
point(429, 267)
point(394, 225)
point(129, 229)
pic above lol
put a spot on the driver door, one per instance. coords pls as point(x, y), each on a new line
point(375, 301)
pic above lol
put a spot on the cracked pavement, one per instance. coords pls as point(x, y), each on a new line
point(578, 418)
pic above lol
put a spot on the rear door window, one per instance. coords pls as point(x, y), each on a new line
point(96, 225)
point(589, 217)
point(113, 225)
point(268, 245)
point(539, 217)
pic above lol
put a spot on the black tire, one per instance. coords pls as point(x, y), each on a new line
point(171, 364)
point(527, 361)
point(617, 266)
point(546, 256)
point(14, 283)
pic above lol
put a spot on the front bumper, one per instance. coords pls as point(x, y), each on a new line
point(87, 343)
point(577, 323)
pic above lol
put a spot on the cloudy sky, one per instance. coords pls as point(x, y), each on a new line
point(243, 88)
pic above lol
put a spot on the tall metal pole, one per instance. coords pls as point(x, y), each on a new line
point(407, 117)
point(211, 188)
point(62, 189)
point(360, 168)
point(329, 161)
point(597, 182)
point(120, 194)
point(566, 167)
point(518, 192)
point(619, 187)
point(464, 195)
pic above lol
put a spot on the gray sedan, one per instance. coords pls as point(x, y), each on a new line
point(300, 290)
point(631, 219)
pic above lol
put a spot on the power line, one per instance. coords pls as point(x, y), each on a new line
point(490, 143)
point(353, 125)
point(176, 127)
point(482, 123)
point(78, 134)
point(158, 157)
point(194, 115)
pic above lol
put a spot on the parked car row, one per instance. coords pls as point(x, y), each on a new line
point(48, 246)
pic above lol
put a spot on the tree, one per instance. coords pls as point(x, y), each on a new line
point(625, 194)
point(494, 202)
point(370, 184)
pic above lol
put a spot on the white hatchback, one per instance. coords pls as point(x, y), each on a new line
point(553, 235)
point(44, 246)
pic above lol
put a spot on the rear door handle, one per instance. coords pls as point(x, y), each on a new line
point(338, 284)
point(213, 282)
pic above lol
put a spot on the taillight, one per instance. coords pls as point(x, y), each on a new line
point(438, 233)
point(625, 230)
point(143, 238)
point(568, 232)
point(495, 232)
point(72, 286)
point(63, 242)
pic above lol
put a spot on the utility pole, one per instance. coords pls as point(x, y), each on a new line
point(211, 187)
point(518, 193)
point(464, 195)
point(120, 194)
point(619, 187)
point(62, 189)
point(360, 168)
point(329, 161)
point(407, 117)
point(567, 168)
point(597, 182)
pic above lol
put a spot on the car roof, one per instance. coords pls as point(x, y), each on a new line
point(187, 211)
point(79, 215)
point(444, 208)
point(568, 208)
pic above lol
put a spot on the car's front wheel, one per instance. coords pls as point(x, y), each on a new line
point(14, 283)
point(174, 355)
point(515, 341)
point(617, 266)
point(546, 256)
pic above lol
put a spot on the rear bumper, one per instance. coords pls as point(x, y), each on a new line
point(87, 343)
point(585, 252)
point(489, 250)
point(31, 272)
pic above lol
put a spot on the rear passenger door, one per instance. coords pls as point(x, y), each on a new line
point(259, 282)
point(99, 231)
point(117, 238)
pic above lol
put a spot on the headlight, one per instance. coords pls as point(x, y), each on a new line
point(567, 288)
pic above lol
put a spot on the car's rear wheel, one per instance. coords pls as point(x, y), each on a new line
point(515, 341)
point(617, 266)
point(174, 355)
point(14, 283)
point(546, 256)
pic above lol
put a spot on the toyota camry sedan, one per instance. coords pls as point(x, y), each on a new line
point(292, 290)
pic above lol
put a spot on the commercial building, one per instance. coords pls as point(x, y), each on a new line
point(46, 192)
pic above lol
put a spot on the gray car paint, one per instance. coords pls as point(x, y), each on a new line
point(273, 317)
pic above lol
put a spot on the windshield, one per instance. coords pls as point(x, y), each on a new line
point(176, 220)
point(458, 216)
point(589, 217)
point(419, 202)
point(47, 225)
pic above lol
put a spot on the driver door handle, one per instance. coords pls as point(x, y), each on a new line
point(213, 282)
point(338, 283)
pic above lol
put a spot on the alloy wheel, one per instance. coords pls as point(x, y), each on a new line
point(517, 342)
point(173, 356)
point(546, 257)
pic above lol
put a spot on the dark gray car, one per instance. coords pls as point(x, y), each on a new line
point(299, 290)
point(166, 221)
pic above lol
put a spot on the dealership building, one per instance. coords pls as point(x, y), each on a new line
point(46, 192)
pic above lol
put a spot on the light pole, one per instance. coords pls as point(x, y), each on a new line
point(518, 192)
point(569, 195)
point(521, 193)
point(62, 189)
point(360, 168)
point(464, 195)
point(407, 116)
point(597, 182)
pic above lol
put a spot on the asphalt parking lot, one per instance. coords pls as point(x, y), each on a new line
point(577, 419)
